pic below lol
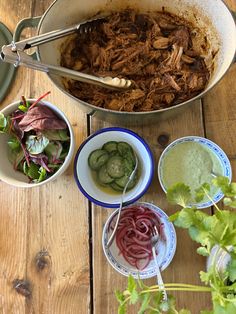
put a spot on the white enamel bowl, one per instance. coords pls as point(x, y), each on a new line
point(83, 175)
point(16, 178)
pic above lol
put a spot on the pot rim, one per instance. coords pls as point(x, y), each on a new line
point(136, 113)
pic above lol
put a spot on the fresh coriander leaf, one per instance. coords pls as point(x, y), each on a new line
point(171, 302)
point(230, 296)
point(232, 189)
point(179, 194)
point(164, 306)
point(185, 218)
point(230, 202)
point(119, 296)
point(36, 144)
point(232, 287)
point(145, 302)
point(229, 238)
point(229, 189)
point(173, 217)
point(221, 182)
point(201, 192)
point(224, 231)
point(232, 270)
point(199, 235)
point(131, 284)
point(206, 277)
point(201, 229)
point(134, 296)
point(157, 298)
point(226, 308)
point(203, 251)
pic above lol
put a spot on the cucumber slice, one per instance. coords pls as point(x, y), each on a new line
point(103, 176)
point(126, 151)
point(116, 187)
point(110, 146)
point(123, 181)
point(97, 158)
point(123, 147)
point(115, 167)
point(128, 165)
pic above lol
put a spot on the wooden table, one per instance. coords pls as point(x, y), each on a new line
point(50, 237)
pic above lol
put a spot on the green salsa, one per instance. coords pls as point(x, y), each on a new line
point(192, 164)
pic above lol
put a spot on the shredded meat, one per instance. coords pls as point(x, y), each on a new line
point(154, 50)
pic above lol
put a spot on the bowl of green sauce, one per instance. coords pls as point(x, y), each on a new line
point(194, 160)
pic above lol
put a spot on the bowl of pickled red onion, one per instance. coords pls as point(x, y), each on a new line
point(131, 251)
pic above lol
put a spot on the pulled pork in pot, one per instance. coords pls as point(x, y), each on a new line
point(154, 50)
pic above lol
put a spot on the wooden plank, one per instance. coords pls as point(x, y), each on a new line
point(220, 110)
point(44, 231)
point(59, 218)
point(13, 216)
point(221, 127)
point(186, 264)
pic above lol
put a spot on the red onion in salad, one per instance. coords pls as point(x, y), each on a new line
point(134, 232)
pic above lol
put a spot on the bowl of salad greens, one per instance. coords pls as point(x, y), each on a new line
point(36, 142)
point(104, 165)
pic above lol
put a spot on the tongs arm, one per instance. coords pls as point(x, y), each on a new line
point(46, 37)
point(19, 57)
point(14, 53)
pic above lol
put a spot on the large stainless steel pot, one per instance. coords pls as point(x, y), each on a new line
point(212, 17)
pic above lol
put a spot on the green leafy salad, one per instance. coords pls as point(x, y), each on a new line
point(38, 140)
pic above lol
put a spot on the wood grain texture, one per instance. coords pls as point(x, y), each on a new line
point(44, 242)
point(44, 232)
point(219, 121)
point(186, 264)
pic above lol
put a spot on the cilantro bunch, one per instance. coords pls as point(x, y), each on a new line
point(215, 234)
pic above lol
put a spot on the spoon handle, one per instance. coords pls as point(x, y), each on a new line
point(159, 277)
point(110, 240)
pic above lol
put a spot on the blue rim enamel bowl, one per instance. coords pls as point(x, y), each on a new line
point(165, 249)
point(84, 176)
point(213, 151)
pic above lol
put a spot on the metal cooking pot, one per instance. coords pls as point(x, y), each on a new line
point(212, 17)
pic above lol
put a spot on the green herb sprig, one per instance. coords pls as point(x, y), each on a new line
point(210, 231)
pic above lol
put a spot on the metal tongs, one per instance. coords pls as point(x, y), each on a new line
point(14, 53)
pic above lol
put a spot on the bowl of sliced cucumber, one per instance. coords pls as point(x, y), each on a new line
point(104, 163)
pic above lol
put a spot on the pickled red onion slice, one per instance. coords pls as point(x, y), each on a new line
point(134, 232)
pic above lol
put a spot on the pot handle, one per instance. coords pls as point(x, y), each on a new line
point(31, 22)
